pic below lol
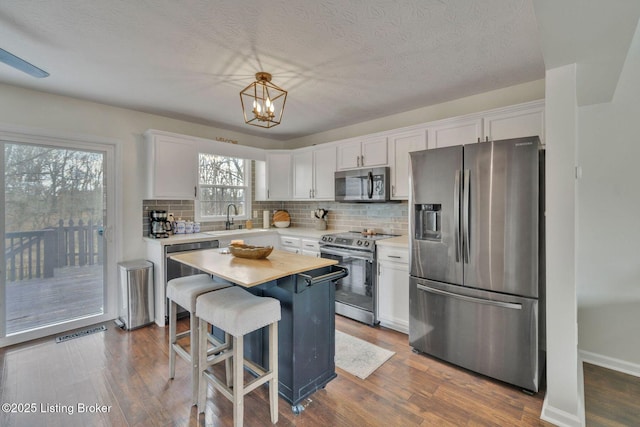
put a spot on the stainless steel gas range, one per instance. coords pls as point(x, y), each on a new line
point(356, 293)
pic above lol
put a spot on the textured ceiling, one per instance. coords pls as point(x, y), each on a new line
point(342, 61)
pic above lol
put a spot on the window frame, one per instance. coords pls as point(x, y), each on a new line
point(246, 186)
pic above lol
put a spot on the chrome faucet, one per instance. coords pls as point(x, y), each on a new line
point(229, 223)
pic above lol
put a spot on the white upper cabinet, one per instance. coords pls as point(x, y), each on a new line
point(400, 146)
point(302, 174)
point(172, 171)
point(515, 123)
point(278, 176)
point(324, 168)
point(313, 173)
point(455, 132)
point(362, 153)
point(510, 122)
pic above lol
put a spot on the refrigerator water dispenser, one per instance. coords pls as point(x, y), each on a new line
point(428, 226)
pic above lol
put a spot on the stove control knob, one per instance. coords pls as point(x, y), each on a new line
point(366, 243)
point(359, 243)
point(324, 238)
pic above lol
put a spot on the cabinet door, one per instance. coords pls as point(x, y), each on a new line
point(393, 296)
point(260, 184)
point(455, 133)
point(515, 124)
point(324, 167)
point(279, 176)
point(374, 152)
point(173, 169)
point(348, 155)
point(399, 148)
point(302, 175)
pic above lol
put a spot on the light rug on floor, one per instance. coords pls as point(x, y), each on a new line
point(359, 357)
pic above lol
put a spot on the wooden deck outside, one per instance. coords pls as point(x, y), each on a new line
point(71, 293)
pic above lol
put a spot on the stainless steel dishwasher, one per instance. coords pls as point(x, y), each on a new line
point(174, 269)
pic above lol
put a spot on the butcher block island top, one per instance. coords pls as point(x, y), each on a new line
point(251, 272)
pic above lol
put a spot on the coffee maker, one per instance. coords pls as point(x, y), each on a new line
point(159, 225)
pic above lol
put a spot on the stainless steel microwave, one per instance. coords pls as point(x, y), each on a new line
point(363, 185)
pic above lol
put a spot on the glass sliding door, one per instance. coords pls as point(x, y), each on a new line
point(54, 217)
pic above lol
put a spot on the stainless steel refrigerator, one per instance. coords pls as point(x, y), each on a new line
point(477, 262)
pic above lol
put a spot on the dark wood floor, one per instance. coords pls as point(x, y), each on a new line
point(127, 373)
point(612, 399)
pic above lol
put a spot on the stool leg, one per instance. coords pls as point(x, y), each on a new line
point(194, 337)
point(273, 367)
point(238, 380)
point(173, 318)
point(228, 364)
point(202, 365)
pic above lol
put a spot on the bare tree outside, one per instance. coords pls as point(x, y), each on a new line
point(44, 185)
point(222, 181)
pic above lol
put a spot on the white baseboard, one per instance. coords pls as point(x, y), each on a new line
point(559, 417)
point(610, 363)
point(396, 325)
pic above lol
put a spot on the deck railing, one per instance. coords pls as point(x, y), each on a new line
point(35, 254)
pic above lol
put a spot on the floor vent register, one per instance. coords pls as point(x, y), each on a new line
point(82, 333)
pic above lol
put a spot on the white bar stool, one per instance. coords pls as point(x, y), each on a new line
point(238, 312)
point(183, 291)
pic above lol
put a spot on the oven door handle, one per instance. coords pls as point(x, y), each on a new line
point(345, 254)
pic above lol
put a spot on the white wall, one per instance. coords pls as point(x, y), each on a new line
point(563, 400)
point(69, 115)
point(504, 97)
point(608, 263)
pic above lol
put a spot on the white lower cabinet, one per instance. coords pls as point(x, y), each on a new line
point(300, 245)
point(310, 247)
point(393, 288)
point(290, 244)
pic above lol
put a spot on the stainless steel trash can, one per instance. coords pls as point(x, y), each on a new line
point(135, 299)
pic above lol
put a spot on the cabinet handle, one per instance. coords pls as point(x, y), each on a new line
point(195, 191)
point(393, 256)
point(362, 160)
point(310, 194)
point(393, 190)
point(268, 194)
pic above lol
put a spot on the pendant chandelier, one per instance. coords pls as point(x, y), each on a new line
point(263, 102)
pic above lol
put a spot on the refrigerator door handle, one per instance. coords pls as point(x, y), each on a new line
point(465, 217)
point(501, 304)
point(456, 213)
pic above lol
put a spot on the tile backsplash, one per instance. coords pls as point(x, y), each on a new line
point(383, 217)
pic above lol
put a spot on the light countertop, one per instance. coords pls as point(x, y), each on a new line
point(251, 272)
point(227, 234)
point(398, 242)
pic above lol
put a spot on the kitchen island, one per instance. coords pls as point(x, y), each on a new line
point(305, 287)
